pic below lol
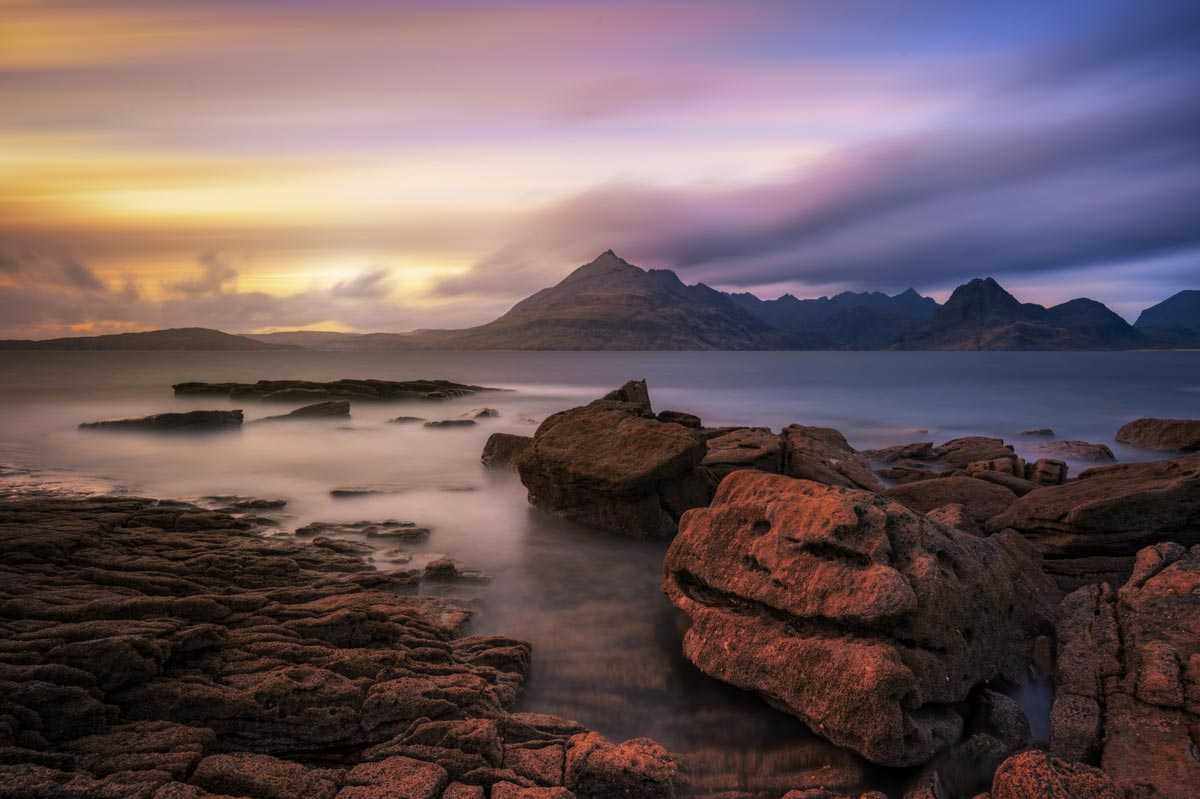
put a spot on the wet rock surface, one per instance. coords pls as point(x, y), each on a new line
point(301, 390)
point(1164, 435)
point(156, 649)
point(1089, 529)
point(191, 421)
point(503, 449)
point(894, 618)
point(330, 409)
point(1079, 451)
point(1128, 675)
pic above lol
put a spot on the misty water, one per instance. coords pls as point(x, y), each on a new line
point(606, 642)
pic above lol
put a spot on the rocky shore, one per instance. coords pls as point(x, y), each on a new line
point(309, 391)
point(896, 600)
point(162, 651)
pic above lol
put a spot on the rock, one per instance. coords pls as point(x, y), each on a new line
point(957, 516)
point(744, 448)
point(503, 449)
point(958, 453)
point(1162, 434)
point(822, 454)
point(300, 390)
point(607, 466)
point(1034, 774)
point(441, 569)
point(353, 493)
point(389, 528)
point(1129, 675)
point(1078, 450)
point(1089, 529)
point(634, 392)
point(867, 621)
point(330, 409)
point(481, 413)
point(1018, 485)
point(1010, 465)
point(1046, 472)
point(921, 461)
point(981, 499)
point(451, 423)
point(191, 421)
point(681, 418)
point(159, 651)
point(599, 769)
point(1042, 432)
point(406, 420)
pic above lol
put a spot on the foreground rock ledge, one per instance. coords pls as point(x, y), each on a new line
point(161, 651)
point(868, 621)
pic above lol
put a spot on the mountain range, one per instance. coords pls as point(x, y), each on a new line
point(610, 304)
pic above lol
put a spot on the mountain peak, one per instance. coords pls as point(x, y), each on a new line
point(980, 299)
point(605, 264)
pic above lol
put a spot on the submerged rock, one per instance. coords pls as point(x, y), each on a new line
point(451, 423)
point(1181, 435)
point(330, 409)
point(868, 621)
point(190, 421)
point(1089, 529)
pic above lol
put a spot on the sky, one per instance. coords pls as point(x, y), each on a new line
point(387, 166)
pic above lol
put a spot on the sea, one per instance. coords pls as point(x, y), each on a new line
point(606, 642)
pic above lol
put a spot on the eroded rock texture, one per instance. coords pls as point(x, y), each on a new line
point(1128, 676)
point(156, 650)
point(866, 620)
point(1089, 529)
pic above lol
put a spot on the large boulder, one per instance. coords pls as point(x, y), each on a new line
point(1162, 434)
point(609, 466)
point(1078, 451)
point(1090, 528)
point(822, 454)
point(981, 499)
point(1036, 775)
point(634, 392)
point(503, 449)
point(1128, 675)
point(869, 622)
point(922, 460)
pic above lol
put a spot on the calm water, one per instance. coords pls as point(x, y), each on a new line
point(606, 645)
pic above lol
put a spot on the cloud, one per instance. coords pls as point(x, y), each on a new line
point(371, 284)
point(215, 273)
point(79, 275)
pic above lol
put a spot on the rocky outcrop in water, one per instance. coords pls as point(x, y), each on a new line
point(330, 409)
point(160, 651)
point(922, 460)
point(1089, 529)
point(1078, 450)
point(503, 449)
point(612, 466)
point(306, 390)
point(866, 620)
point(1182, 435)
point(744, 448)
point(1128, 676)
point(191, 421)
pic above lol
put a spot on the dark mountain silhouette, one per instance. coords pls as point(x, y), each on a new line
point(1174, 322)
point(610, 304)
point(981, 315)
point(866, 320)
point(178, 338)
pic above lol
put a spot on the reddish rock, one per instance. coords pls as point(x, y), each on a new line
point(1018, 485)
point(634, 392)
point(957, 516)
point(1010, 464)
point(1079, 451)
point(503, 449)
point(823, 455)
point(609, 467)
point(864, 619)
point(1090, 528)
point(394, 778)
point(744, 448)
point(1181, 435)
point(599, 769)
point(680, 418)
point(1036, 775)
point(981, 499)
point(263, 777)
point(1124, 676)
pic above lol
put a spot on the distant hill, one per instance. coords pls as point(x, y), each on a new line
point(179, 338)
point(981, 315)
point(1174, 322)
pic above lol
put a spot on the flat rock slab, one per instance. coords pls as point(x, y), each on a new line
point(1182, 435)
point(301, 390)
point(190, 421)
